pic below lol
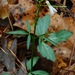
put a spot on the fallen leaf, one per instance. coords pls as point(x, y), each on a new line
point(3, 13)
point(27, 10)
point(6, 56)
point(61, 63)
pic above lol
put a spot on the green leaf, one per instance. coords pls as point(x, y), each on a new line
point(28, 41)
point(59, 36)
point(30, 74)
point(40, 39)
point(17, 32)
point(47, 39)
point(46, 51)
point(28, 26)
point(35, 59)
point(42, 25)
point(5, 73)
point(39, 72)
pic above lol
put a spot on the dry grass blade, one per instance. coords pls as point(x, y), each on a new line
point(4, 51)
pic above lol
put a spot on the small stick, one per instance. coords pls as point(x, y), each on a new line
point(4, 51)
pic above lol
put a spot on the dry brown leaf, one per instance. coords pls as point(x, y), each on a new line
point(12, 1)
point(60, 63)
point(4, 2)
point(3, 6)
point(6, 57)
point(70, 23)
point(27, 10)
point(68, 71)
point(3, 13)
point(24, 10)
point(73, 1)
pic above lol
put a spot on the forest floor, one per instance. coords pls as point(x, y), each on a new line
point(12, 17)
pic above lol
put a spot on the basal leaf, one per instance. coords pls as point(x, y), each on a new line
point(28, 26)
point(46, 51)
point(42, 25)
point(17, 32)
point(35, 59)
point(39, 72)
point(6, 73)
point(28, 41)
point(59, 36)
point(30, 74)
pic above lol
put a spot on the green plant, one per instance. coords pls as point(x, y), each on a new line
point(43, 37)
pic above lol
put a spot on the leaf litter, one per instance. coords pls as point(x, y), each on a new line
point(26, 9)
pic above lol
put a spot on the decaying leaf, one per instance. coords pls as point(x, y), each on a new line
point(3, 9)
point(73, 1)
point(1, 67)
point(22, 11)
point(3, 13)
point(63, 52)
point(68, 71)
point(27, 10)
point(12, 1)
point(6, 57)
point(4, 2)
point(61, 63)
point(70, 23)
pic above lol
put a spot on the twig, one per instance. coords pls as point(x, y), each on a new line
point(59, 6)
point(4, 51)
point(4, 31)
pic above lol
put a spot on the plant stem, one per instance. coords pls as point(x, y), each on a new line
point(34, 38)
point(33, 41)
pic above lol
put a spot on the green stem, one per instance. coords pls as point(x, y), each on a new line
point(33, 42)
point(34, 38)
